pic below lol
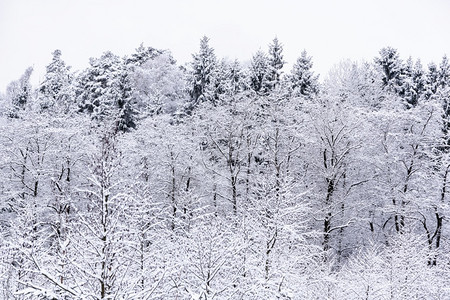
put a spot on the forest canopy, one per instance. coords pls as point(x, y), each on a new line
point(137, 178)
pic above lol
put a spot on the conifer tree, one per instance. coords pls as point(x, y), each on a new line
point(105, 91)
point(56, 86)
point(444, 73)
point(391, 69)
point(142, 55)
point(221, 82)
point(412, 82)
point(229, 80)
point(259, 70)
point(418, 76)
point(275, 64)
point(236, 77)
point(127, 113)
point(303, 81)
point(432, 80)
point(19, 92)
point(201, 78)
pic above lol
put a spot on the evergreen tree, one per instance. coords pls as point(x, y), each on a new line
point(221, 82)
point(303, 81)
point(418, 76)
point(105, 91)
point(413, 82)
point(236, 78)
point(201, 78)
point(142, 55)
point(391, 69)
point(259, 71)
point(432, 80)
point(56, 86)
point(275, 64)
point(444, 73)
point(19, 91)
point(228, 79)
point(127, 112)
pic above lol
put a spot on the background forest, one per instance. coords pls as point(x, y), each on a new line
point(137, 178)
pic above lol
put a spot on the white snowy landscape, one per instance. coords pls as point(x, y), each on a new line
point(137, 179)
point(138, 176)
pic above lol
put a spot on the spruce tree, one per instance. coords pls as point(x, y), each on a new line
point(444, 73)
point(259, 72)
point(142, 55)
point(409, 91)
point(236, 77)
point(105, 91)
point(201, 78)
point(390, 66)
point(222, 74)
point(56, 86)
point(275, 64)
point(19, 91)
point(127, 112)
point(418, 76)
point(228, 80)
point(302, 80)
point(432, 80)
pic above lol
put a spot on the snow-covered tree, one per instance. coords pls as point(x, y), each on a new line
point(56, 88)
point(105, 90)
point(229, 80)
point(266, 190)
point(444, 73)
point(158, 86)
point(19, 92)
point(275, 64)
point(432, 80)
point(258, 73)
point(102, 231)
point(201, 76)
point(391, 67)
point(142, 55)
point(302, 80)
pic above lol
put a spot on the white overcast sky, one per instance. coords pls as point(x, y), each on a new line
point(330, 30)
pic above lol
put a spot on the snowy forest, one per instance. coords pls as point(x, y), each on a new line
point(139, 178)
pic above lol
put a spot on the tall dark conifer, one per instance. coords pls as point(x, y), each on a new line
point(302, 80)
point(390, 66)
point(275, 64)
point(201, 78)
point(259, 71)
point(105, 91)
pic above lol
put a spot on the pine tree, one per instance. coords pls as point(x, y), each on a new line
point(303, 82)
point(222, 74)
point(275, 64)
